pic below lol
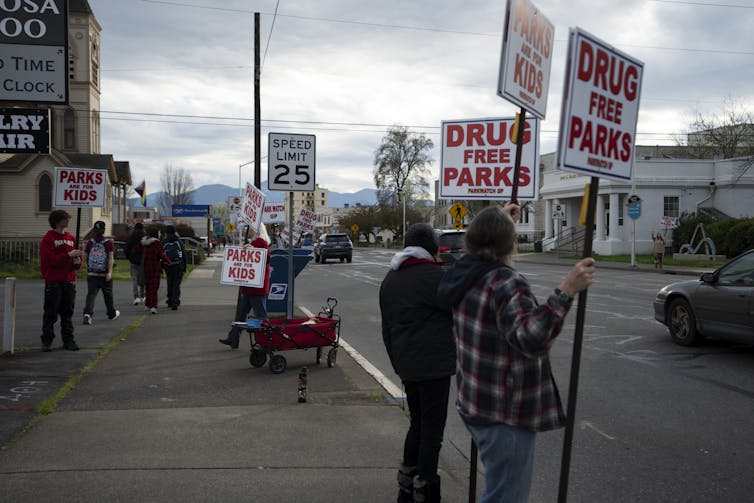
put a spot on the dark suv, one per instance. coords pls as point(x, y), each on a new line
point(451, 242)
point(333, 246)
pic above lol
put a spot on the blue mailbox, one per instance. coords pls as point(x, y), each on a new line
point(277, 299)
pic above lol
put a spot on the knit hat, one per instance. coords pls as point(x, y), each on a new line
point(422, 235)
point(139, 226)
point(99, 225)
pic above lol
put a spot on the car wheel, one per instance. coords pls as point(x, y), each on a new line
point(348, 259)
point(682, 323)
point(316, 258)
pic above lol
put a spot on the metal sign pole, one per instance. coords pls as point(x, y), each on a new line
point(519, 148)
point(289, 307)
point(578, 339)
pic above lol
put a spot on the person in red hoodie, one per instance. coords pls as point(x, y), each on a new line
point(250, 298)
point(154, 257)
point(59, 259)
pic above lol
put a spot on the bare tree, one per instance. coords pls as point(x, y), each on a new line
point(401, 166)
point(177, 187)
point(728, 133)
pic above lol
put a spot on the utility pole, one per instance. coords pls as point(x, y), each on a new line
point(257, 107)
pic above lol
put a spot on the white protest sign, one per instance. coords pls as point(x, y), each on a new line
point(668, 222)
point(600, 109)
point(274, 213)
point(526, 58)
point(251, 208)
point(306, 220)
point(80, 187)
point(244, 266)
point(286, 235)
point(478, 158)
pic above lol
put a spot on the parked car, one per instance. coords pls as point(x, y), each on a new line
point(336, 245)
point(719, 303)
point(451, 243)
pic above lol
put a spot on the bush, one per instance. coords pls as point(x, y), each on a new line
point(740, 237)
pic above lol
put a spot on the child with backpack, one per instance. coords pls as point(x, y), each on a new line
point(134, 254)
point(99, 252)
point(174, 272)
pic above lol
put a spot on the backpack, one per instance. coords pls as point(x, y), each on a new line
point(174, 252)
point(97, 261)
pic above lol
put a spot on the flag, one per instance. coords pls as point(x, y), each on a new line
point(141, 189)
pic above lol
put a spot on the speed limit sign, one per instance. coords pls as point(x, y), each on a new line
point(291, 159)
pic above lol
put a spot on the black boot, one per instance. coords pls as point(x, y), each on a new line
point(231, 340)
point(406, 483)
point(426, 492)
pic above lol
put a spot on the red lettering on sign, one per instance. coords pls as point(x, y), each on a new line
point(485, 176)
point(607, 72)
point(482, 135)
point(598, 139)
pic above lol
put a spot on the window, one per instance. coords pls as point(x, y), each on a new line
point(621, 208)
point(69, 129)
point(44, 193)
point(671, 206)
point(740, 272)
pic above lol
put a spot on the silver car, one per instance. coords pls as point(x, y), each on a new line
point(720, 303)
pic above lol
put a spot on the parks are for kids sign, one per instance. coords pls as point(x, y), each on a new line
point(478, 159)
point(80, 187)
point(600, 109)
point(252, 207)
point(244, 266)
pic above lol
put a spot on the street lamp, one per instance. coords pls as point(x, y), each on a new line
point(403, 199)
point(240, 188)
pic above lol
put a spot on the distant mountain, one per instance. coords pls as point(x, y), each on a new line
point(219, 193)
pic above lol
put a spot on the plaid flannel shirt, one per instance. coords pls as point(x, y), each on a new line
point(503, 337)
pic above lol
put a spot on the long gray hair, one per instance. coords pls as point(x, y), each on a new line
point(491, 236)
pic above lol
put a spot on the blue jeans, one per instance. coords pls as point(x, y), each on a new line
point(257, 304)
point(508, 455)
point(136, 284)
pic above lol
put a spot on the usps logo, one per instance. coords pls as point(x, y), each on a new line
point(277, 291)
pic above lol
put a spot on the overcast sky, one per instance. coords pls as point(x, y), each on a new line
point(177, 76)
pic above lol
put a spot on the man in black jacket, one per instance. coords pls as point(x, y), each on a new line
point(418, 336)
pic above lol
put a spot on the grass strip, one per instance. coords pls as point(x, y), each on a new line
point(48, 405)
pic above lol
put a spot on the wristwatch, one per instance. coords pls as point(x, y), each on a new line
point(564, 297)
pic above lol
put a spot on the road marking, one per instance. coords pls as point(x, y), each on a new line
point(393, 390)
point(588, 424)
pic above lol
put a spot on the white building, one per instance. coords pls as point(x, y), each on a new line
point(667, 188)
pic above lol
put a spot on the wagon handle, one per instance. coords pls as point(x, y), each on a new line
point(331, 303)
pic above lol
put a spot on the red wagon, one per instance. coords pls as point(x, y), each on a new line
point(269, 336)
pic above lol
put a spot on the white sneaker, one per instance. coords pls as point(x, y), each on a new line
point(117, 313)
point(137, 300)
point(87, 319)
point(154, 310)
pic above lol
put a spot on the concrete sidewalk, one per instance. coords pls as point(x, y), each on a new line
point(172, 415)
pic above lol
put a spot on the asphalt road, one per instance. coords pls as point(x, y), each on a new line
point(654, 421)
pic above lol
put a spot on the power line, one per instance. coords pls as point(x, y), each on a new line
point(705, 4)
point(272, 27)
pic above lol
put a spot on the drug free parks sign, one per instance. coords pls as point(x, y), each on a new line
point(600, 109)
point(478, 159)
point(80, 187)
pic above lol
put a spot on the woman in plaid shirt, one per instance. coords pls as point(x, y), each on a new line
point(506, 391)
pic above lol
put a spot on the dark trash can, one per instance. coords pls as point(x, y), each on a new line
point(277, 299)
point(537, 246)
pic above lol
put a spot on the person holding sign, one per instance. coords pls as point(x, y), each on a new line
point(59, 259)
point(658, 249)
point(506, 391)
point(251, 298)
